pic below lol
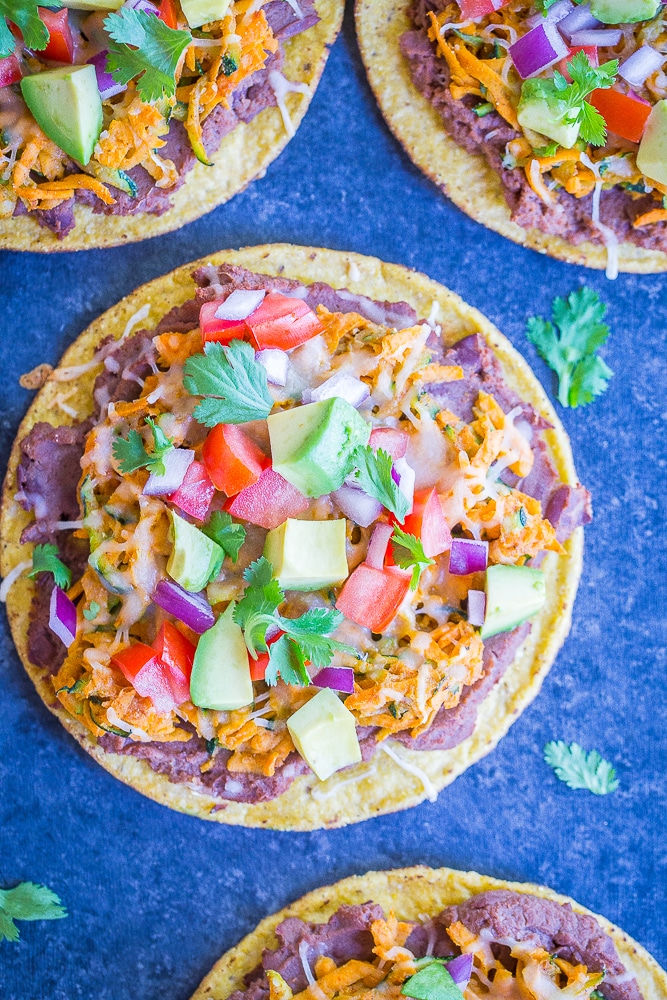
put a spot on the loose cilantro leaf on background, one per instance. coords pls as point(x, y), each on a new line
point(569, 345)
point(228, 535)
point(27, 901)
point(131, 454)
point(581, 770)
point(153, 57)
point(374, 477)
point(45, 559)
point(25, 14)
point(234, 384)
point(409, 554)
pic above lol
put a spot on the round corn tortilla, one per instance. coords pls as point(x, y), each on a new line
point(468, 179)
point(380, 786)
point(242, 157)
point(412, 893)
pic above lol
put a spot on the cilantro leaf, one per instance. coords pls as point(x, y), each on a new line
point(585, 79)
point(234, 384)
point(568, 345)
point(90, 613)
point(131, 454)
point(373, 475)
point(228, 535)
point(256, 609)
point(310, 631)
point(286, 660)
point(25, 14)
point(544, 5)
point(581, 770)
point(27, 901)
point(45, 559)
point(153, 58)
point(409, 554)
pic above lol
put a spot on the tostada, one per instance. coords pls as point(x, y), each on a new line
point(316, 534)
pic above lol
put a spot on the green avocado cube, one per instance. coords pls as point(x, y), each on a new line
point(513, 595)
point(308, 555)
point(195, 558)
point(67, 106)
point(542, 113)
point(198, 12)
point(221, 669)
point(325, 734)
point(624, 11)
point(652, 154)
point(312, 445)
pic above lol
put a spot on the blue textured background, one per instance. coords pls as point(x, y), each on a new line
point(155, 897)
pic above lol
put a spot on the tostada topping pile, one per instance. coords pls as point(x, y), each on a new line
point(308, 527)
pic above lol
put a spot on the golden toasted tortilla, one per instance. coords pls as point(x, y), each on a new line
point(413, 894)
point(242, 157)
point(467, 179)
point(381, 786)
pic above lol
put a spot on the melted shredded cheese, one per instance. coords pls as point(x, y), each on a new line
point(281, 87)
point(417, 772)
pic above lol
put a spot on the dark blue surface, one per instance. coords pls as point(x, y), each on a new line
point(155, 897)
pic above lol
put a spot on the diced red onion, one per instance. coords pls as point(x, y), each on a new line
point(337, 678)
point(638, 67)
point(176, 464)
point(357, 505)
point(62, 616)
point(240, 304)
point(106, 84)
point(538, 49)
point(377, 547)
point(597, 36)
point(476, 607)
point(191, 609)
point(342, 385)
point(145, 5)
point(580, 19)
point(406, 480)
point(276, 363)
point(460, 969)
point(468, 555)
point(555, 13)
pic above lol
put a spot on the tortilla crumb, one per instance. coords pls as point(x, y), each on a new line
point(36, 377)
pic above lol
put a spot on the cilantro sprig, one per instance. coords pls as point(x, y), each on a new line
point(226, 533)
point(45, 559)
point(233, 384)
point(304, 639)
point(25, 14)
point(373, 475)
point(570, 98)
point(409, 554)
point(568, 345)
point(143, 46)
point(131, 454)
point(27, 901)
point(578, 769)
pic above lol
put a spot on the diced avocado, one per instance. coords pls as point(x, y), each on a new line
point(221, 669)
point(198, 12)
point(652, 154)
point(325, 734)
point(195, 557)
point(67, 106)
point(513, 594)
point(307, 555)
point(624, 11)
point(312, 445)
point(544, 114)
point(92, 4)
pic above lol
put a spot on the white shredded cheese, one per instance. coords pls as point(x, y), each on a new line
point(12, 577)
point(114, 720)
point(68, 374)
point(325, 789)
point(295, 7)
point(608, 235)
point(281, 87)
point(68, 525)
point(353, 270)
point(536, 178)
point(429, 787)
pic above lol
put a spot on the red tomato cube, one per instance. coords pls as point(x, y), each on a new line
point(177, 654)
point(371, 597)
point(268, 502)
point(233, 461)
point(148, 676)
point(427, 522)
point(195, 494)
point(282, 322)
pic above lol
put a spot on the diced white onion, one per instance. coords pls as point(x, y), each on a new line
point(357, 505)
point(579, 19)
point(276, 363)
point(638, 67)
point(406, 479)
point(344, 386)
point(555, 13)
point(240, 304)
point(176, 464)
point(600, 37)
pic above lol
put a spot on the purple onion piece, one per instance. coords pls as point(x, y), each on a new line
point(145, 5)
point(240, 304)
point(538, 49)
point(191, 609)
point(468, 555)
point(337, 678)
point(357, 505)
point(344, 386)
point(377, 547)
point(476, 607)
point(597, 36)
point(176, 464)
point(62, 616)
point(460, 969)
point(555, 13)
point(579, 20)
point(106, 84)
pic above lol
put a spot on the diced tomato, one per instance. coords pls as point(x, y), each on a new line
point(233, 461)
point(61, 44)
point(625, 116)
point(168, 13)
point(591, 52)
point(268, 502)
point(177, 654)
point(10, 71)
point(282, 322)
point(371, 597)
point(478, 8)
point(142, 667)
point(427, 522)
point(391, 440)
point(195, 494)
point(220, 330)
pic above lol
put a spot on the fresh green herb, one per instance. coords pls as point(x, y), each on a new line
point(234, 384)
point(25, 14)
point(569, 345)
point(373, 474)
point(581, 770)
point(27, 901)
point(545, 151)
point(570, 98)
point(131, 454)
point(483, 109)
point(409, 554)
point(45, 559)
point(143, 46)
point(474, 40)
point(92, 611)
point(432, 982)
point(228, 535)
point(544, 5)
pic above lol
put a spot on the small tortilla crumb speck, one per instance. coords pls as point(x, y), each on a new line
point(36, 377)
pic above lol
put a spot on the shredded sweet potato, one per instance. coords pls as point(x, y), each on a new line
point(649, 218)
